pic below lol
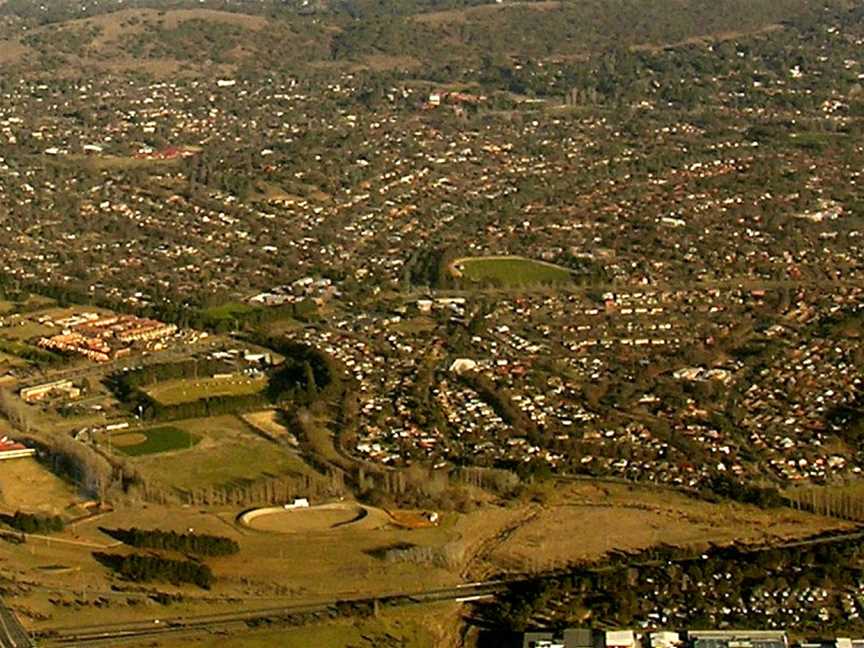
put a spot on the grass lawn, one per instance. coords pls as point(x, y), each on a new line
point(117, 162)
point(416, 325)
point(228, 452)
point(174, 392)
point(229, 311)
point(27, 352)
point(511, 271)
point(154, 440)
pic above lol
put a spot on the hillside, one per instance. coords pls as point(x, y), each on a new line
point(165, 37)
point(153, 40)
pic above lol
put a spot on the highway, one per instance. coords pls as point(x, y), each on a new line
point(114, 633)
point(12, 633)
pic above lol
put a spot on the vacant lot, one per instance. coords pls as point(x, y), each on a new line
point(585, 521)
point(10, 361)
point(154, 441)
point(576, 523)
point(27, 485)
point(228, 453)
point(174, 392)
point(268, 422)
point(510, 271)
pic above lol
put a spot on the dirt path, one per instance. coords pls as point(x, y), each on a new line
point(489, 545)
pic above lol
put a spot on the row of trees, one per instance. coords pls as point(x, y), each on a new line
point(34, 523)
point(137, 568)
point(306, 375)
point(721, 486)
point(149, 375)
point(500, 401)
point(275, 490)
point(832, 502)
point(189, 543)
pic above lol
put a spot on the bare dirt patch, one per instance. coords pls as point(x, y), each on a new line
point(411, 519)
point(451, 16)
point(12, 52)
point(305, 521)
point(267, 422)
point(130, 439)
point(326, 518)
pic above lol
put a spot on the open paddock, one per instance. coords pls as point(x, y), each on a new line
point(269, 424)
point(27, 485)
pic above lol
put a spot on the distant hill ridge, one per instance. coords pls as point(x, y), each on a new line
point(163, 36)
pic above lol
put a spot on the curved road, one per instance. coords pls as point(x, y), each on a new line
point(12, 633)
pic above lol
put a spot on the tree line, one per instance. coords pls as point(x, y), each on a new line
point(35, 523)
point(306, 375)
point(138, 568)
point(188, 543)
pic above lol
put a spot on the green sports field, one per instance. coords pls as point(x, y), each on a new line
point(229, 452)
point(174, 392)
point(229, 311)
point(510, 271)
point(154, 440)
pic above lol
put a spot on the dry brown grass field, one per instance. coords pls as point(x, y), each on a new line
point(458, 16)
point(267, 421)
point(576, 522)
point(429, 626)
point(583, 521)
point(28, 486)
point(107, 49)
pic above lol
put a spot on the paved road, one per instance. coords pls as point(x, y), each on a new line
point(12, 633)
point(114, 634)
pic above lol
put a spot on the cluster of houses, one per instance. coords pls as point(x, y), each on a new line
point(319, 290)
point(587, 638)
point(102, 338)
point(65, 388)
point(638, 377)
point(382, 201)
point(669, 421)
